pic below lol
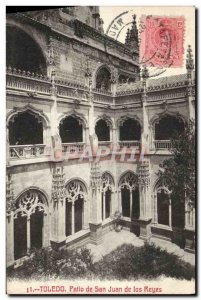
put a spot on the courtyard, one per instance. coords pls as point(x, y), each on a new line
point(121, 256)
point(113, 239)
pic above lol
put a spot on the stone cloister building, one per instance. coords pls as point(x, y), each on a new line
point(73, 92)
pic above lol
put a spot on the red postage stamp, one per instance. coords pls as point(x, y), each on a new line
point(161, 41)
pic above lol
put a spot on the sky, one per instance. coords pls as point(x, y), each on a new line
point(108, 13)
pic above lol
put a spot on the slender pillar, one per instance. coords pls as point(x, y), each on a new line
point(28, 235)
point(85, 213)
point(58, 236)
point(73, 218)
point(10, 239)
point(189, 230)
point(96, 205)
point(103, 206)
point(145, 200)
point(170, 212)
point(190, 87)
point(45, 230)
point(131, 203)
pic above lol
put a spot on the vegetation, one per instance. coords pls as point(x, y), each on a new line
point(180, 169)
point(126, 262)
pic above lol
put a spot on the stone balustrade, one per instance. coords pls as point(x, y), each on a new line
point(26, 151)
point(129, 144)
point(73, 148)
point(163, 144)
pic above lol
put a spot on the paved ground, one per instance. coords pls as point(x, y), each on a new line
point(114, 239)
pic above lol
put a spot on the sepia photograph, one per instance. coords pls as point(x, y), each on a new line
point(101, 150)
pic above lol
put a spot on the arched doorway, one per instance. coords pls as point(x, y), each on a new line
point(71, 130)
point(30, 218)
point(107, 195)
point(129, 130)
point(75, 206)
point(102, 130)
point(25, 129)
point(103, 78)
point(130, 201)
point(22, 52)
point(167, 126)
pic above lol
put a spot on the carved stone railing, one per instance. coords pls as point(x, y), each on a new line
point(26, 151)
point(73, 148)
point(32, 83)
point(104, 144)
point(162, 144)
point(129, 144)
point(102, 97)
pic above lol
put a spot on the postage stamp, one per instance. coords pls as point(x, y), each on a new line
point(161, 41)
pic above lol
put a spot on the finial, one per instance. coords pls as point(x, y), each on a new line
point(189, 59)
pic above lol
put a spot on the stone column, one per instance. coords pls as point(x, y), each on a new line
point(145, 138)
point(86, 221)
point(73, 218)
point(145, 200)
point(131, 203)
point(103, 205)
point(28, 234)
point(45, 230)
point(9, 221)
point(10, 239)
point(189, 230)
point(190, 87)
point(58, 236)
point(96, 199)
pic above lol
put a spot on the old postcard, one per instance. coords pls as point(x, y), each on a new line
point(100, 182)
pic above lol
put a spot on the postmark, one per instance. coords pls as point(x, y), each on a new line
point(161, 41)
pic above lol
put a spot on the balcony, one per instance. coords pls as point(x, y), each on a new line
point(26, 151)
point(73, 148)
point(129, 144)
point(162, 145)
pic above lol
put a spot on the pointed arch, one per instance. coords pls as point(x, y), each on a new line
point(28, 54)
point(107, 181)
point(128, 179)
point(73, 113)
point(37, 113)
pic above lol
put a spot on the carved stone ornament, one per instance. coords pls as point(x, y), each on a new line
point(75, 189)
point(58, 185)
point(107, 182)
point(129, 180)
point(95, 176)
point(28, 202)
point(144, 174)
point(9, 196)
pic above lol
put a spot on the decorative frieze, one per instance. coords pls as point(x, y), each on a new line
point(58, 184)
point(144, 173)
point(9, 196)
point(95, 179)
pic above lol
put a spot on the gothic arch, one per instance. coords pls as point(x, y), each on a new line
point(107, 119)
point(121, 120)
point(97, 69)
point(31, 201)
point(157, 117)
point(161, 183)
point(102, 78)
point(76, 187)
point(37, 113)
point(34, 37)
point(126, 178)
point(107, 181)
point(73, 113)
point(31, 41)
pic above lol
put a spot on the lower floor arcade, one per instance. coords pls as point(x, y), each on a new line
point(79, 218)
